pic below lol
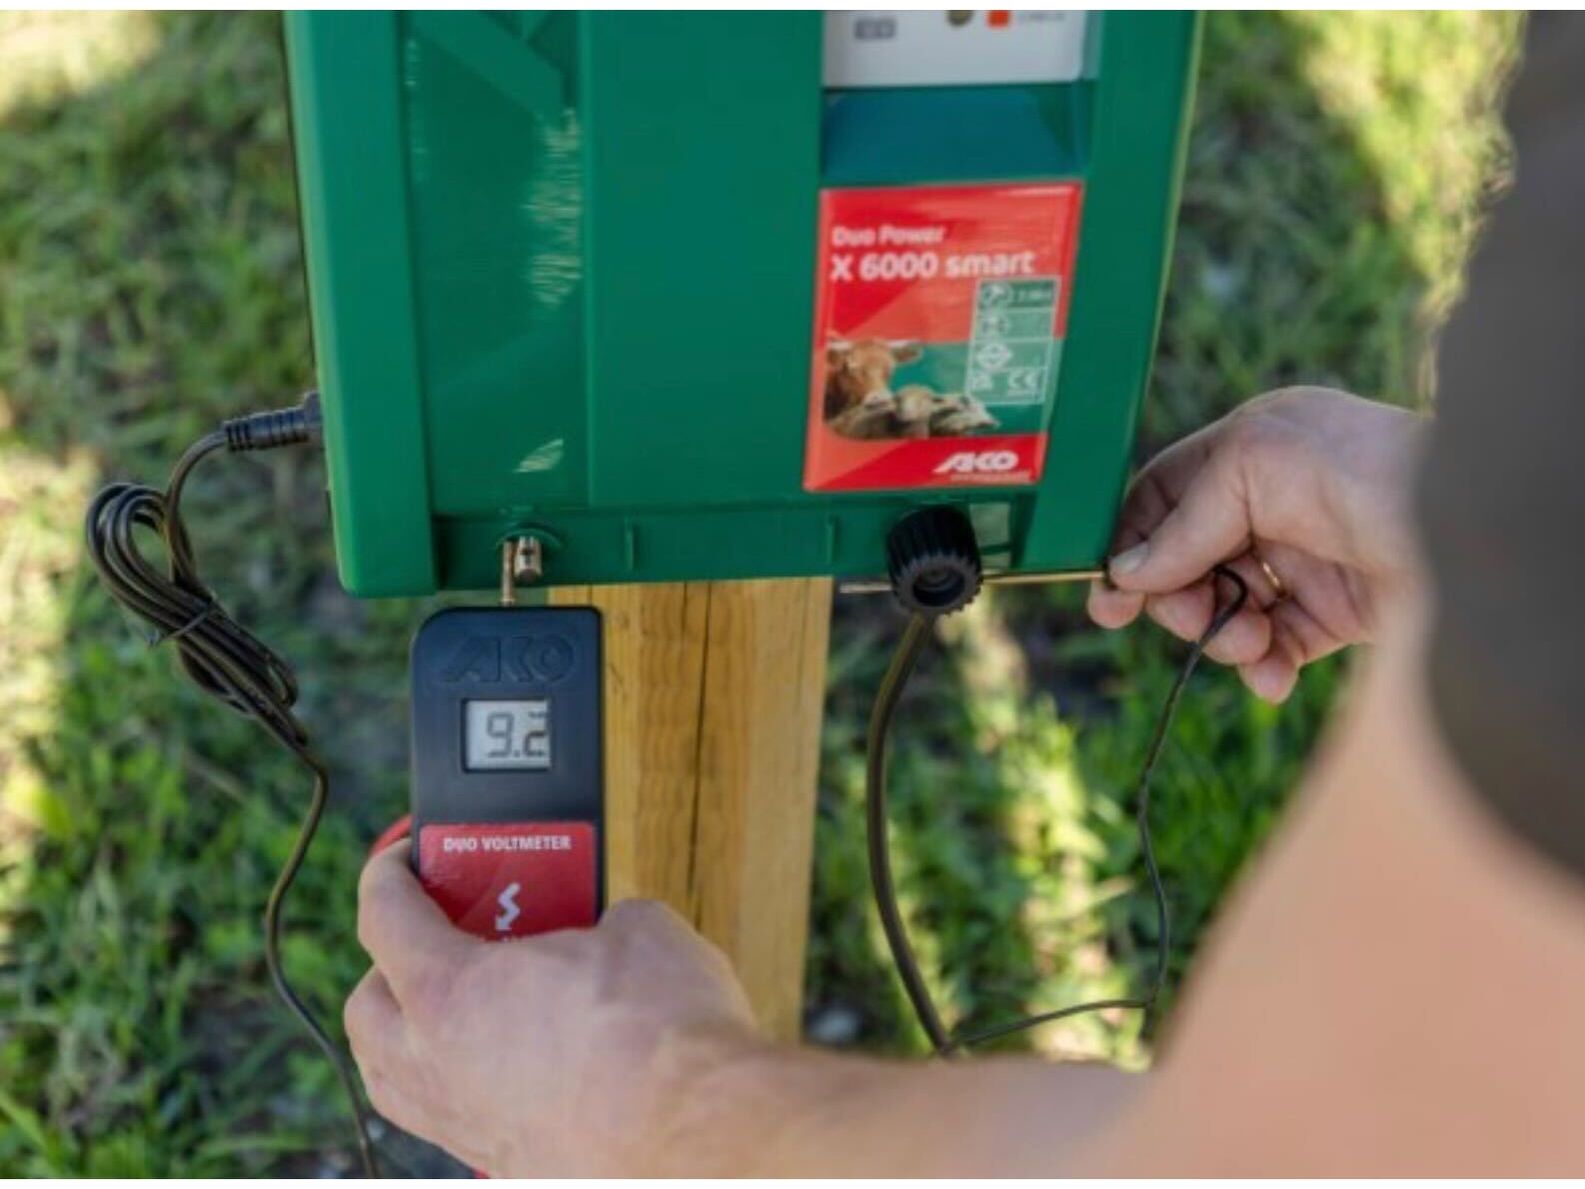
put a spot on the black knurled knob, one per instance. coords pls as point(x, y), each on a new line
point(933, 561)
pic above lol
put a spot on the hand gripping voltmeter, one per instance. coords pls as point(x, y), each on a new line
point(507, 819)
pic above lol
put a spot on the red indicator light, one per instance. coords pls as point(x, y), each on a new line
point(999, 18)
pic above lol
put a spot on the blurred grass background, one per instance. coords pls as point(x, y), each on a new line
point(150, 283)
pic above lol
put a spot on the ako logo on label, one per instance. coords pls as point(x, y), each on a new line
point(978, 462)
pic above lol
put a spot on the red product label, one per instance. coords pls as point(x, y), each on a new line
point(503, 880)
point(939, 318)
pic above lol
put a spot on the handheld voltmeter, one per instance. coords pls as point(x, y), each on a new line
point(507, 767)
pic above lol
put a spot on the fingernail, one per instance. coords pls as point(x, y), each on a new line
point(1271, 684)
point(1128, 560)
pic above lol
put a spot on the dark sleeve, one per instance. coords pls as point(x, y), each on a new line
point(1501, 496)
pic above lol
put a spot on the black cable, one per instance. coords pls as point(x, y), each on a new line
point(223, 659)
point(875, 819)
point(886, 699)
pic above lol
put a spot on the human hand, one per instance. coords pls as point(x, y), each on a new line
point(1307, 485)
point(560, 1055)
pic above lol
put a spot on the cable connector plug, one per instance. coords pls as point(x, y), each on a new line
point(278, 427)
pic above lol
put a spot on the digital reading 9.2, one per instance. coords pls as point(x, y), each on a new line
point(513, 734)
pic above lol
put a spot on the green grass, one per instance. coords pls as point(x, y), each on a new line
point(150, 282)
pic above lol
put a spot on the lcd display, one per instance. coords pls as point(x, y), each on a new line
point(502, 734)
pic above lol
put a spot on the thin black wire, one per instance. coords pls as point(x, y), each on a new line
point(885, 709)
point(229, 663)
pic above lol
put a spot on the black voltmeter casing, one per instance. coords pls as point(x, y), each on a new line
point(510, 850)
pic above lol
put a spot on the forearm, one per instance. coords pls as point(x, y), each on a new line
point(1334, 1025)
point(755, 1109)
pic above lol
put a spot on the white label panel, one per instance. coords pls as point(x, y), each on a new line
point(940, 49)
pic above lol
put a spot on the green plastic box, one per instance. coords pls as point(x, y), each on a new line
point(568, 275)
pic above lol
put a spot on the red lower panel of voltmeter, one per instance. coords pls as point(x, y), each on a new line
point(515, 879)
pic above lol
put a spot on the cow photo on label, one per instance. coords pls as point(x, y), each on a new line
point(861, 404)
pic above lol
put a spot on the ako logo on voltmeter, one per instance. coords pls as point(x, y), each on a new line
point(520, 658)
point(939, 319)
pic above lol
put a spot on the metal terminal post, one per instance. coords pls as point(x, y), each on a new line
point(864, 586)
point(1050, 576)
point(522, 563)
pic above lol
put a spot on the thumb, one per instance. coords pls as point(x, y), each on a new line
point(402, 929)
point(1209, 524)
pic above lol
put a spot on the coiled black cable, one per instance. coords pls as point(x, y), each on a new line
point(223, 659)
point(875, 817)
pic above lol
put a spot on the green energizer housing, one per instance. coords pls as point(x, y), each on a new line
point(716, 295)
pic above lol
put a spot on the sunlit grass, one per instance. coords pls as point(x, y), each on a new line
point(47, 56)
point(149, 283)
point(40, 547)
point(1415, 91)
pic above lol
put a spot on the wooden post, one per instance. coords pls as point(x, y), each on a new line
point(713, 699)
